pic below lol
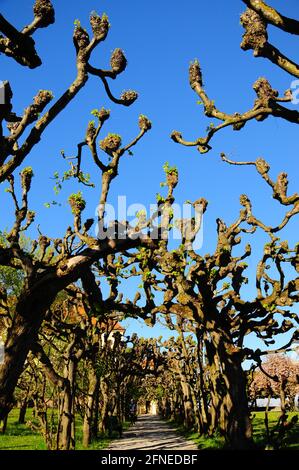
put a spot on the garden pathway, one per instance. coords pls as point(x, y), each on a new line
point(150, 433)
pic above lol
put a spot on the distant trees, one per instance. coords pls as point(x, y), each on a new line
point(277, 377)
point(82, 366)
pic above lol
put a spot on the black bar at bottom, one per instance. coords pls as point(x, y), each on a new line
point(138, 459)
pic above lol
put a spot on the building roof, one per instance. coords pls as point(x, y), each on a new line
point(112, 325)
point(108, 325)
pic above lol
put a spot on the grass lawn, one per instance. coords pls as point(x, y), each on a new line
point(21, 437)
point(291, 441)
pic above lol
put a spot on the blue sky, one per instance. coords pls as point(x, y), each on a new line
point(159, 39)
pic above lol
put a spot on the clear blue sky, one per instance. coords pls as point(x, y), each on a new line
point(160, 38)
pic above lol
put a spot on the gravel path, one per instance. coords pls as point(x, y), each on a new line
point(149, 433)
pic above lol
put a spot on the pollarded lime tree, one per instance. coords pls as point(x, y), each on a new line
point(50, 265)
point(208, 290)
point(270, 312)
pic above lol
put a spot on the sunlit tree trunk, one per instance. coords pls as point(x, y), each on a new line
point(234, 409)
point(187, 403)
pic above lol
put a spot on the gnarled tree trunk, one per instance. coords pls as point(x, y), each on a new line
point(234, 409)
point(23, 410)
point(90, 407)
point(66, 432)
point(21, 335)
point(105, 401)
point(187, 402)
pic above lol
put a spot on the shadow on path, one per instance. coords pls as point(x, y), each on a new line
point(149, 433)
